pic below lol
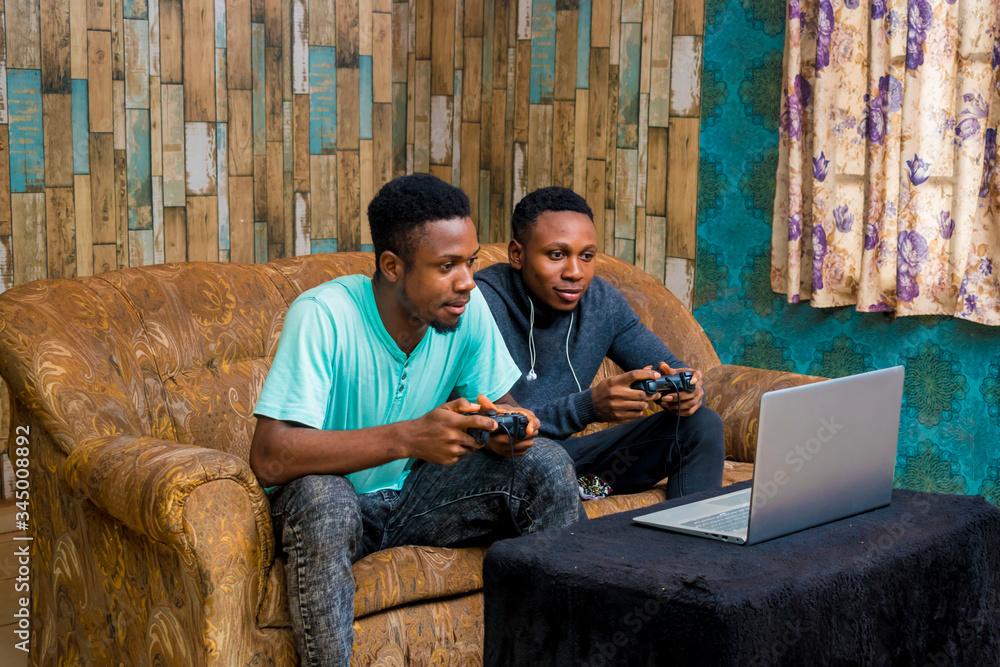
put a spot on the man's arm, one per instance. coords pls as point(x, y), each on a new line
point(634, 345)
point(284, 451)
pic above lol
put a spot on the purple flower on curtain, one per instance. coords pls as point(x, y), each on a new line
point(996, 53)
point(989, 161)
point(880, 307)
point(920, 171)
point(824, 34)
point(907, 288)
point(819, 252)
point(791, 118)
point(979, 110)
point(967, 127)
point(851, 4)
point(843, 218)
point(794, 227)
point(893, 22)
point(919, 19)
point(890, 89)
point(798, 102)
point(945, 225)
point(986, 266)
point(970, 304)
point(871, 235)
point(795, 298)
point(876, 121)
point(803, 89)
point(793, 10)
point(912, 253)
point(820, 166)
point(878, 9)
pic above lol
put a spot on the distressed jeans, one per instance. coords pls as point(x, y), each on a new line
point(634, 456)
point(323, 527)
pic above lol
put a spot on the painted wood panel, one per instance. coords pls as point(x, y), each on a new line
point(136, 64)
point(172, 41)
point(23, 34)
point(29, 238)
point(172, 103)
point(99, 81)
point(60, 229)
point(231, 130)
point(682, 188)
point(57, 128)
point(685, 82)
point(27, 153)
point(238, 71)
point(55, 46)
point(102, 187)
point(140, 177)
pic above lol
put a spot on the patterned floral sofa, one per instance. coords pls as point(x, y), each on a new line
point(152, 538)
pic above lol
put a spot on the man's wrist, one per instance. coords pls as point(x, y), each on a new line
point(399, 438)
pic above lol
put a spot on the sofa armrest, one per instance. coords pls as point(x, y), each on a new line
point(205, 504)
point(734, 392)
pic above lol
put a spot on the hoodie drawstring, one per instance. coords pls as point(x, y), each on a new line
point(532, 375)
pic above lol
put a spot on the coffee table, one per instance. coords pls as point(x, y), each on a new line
point(915, 583)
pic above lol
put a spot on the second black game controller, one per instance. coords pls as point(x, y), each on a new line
point(512, 423)
point(681, 381)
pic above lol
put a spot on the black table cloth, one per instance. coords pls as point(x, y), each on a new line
point(915, 583)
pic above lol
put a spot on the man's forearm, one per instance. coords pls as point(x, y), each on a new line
point(282, 452)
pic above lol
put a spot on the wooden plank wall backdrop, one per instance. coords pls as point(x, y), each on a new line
point(135, 132)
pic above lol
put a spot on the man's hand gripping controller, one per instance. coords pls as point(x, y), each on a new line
point(513, 424)
point(676, 382)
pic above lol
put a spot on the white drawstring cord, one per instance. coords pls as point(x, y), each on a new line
point(531, 346)
point(531, 343)
point(567, 352)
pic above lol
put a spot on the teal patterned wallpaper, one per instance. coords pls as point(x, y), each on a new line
point(950, 430)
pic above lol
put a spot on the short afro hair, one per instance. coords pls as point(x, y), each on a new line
point(403, 205)
point(533, 205)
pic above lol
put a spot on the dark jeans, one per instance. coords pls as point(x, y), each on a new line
point(323, 527)
point(634, 456)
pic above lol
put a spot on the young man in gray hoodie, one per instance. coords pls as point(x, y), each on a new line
point(559, 321)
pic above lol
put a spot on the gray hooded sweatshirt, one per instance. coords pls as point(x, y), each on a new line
point(603, 325)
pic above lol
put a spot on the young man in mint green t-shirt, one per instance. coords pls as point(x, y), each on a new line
point(356, 433)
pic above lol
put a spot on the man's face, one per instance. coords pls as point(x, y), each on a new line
point(436, 285)
point(557, 258)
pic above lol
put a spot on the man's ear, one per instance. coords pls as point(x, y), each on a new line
point(391, 266)
point(515, 254)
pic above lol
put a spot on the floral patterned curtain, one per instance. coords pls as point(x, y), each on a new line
point(888, 191)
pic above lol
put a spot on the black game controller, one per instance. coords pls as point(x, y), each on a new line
point(514, 424)
point(677, 382)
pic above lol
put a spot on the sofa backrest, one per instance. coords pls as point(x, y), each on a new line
point(181, 351)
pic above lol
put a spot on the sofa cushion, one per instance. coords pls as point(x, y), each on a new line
point(390, 578)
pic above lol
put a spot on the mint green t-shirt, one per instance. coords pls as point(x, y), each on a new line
point(337, 368)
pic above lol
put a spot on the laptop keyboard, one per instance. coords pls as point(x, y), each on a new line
point(723, 522)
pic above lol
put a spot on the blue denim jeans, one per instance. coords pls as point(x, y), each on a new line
point(322, 526)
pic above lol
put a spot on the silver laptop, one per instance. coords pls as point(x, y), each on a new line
point(825, 451)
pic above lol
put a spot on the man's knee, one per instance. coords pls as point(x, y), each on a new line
point(549, 460)
point(706, 428)
point(324, 504)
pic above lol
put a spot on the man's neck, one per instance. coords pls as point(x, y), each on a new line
point(405, 330)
